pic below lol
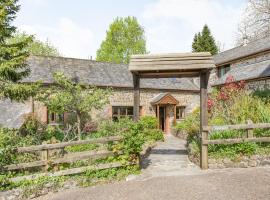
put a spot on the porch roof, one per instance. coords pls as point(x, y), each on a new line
point(171, 65)
point(164, 98)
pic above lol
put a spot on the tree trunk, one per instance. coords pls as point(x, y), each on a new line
point(79, 125)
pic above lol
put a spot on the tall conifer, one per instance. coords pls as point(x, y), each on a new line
point(13, 56)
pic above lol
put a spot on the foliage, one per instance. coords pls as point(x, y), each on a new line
point(36, 47)
point(190, 124)
point(13, 56)
point(255, 22)
point(31, 126)
point(53, 132)
point(231, 104)
point(124, 38)
point(262, 94)
point(82, 147)
point(69, 96)
point(35, 186)
point(92, 177)
point(4, 181)
point(8, 141)
point(204, 42)
point(149, 122)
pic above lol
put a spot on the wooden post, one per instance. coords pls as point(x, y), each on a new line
point(136, 107)
point(158, 116)
point(32, 105)
point(204, 76)
point(249, 131)
point(174, 116)
point(45, 157)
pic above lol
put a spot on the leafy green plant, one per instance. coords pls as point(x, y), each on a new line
point(230, 104)
point(82, 147)
point(53, 132)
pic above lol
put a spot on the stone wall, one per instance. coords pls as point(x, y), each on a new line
point(124, 97)
point(261, 84)
point(250, 60)
point(244, 162)
point(251, 85)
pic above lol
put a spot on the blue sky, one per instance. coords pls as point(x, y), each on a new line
point(77, 27)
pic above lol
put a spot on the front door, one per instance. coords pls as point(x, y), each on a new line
point(164, 119)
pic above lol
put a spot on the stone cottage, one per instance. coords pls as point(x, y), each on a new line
point(249, 62)
point(177, 96)
point(181, 95)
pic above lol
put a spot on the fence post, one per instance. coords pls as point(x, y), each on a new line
point(45, 156)
point(249, 131)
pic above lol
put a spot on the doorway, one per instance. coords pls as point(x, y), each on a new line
point(162, 118)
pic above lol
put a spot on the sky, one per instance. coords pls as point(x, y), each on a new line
point(77, 27)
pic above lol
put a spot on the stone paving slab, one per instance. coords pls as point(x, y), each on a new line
point(168, 158)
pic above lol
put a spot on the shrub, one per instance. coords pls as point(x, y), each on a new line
point(149, 122)
point(230, 104)
point(53, 132)
point(190, 124)
point(8, 143)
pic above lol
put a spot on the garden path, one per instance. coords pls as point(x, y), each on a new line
point(168, 158)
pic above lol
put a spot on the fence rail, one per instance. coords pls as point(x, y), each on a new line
point(47, 160)
point(65, 144)
point(248, 137)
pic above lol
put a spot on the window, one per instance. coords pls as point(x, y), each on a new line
point(54, 118)
point(122, 111)
point(180, 112)
point(222, 70)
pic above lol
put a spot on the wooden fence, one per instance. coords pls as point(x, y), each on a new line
point(248, 137)
point(46, 160)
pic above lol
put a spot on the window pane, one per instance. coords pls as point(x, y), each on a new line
point(123, 111)
point(60, 118)
point(130, 110)
point(177, 113)
point(115, 110)
point(180, 112)
point(52, 117)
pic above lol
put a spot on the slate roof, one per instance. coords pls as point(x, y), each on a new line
point(243, 51)
point(12, 113)
point(251, 71)
point(98, 73)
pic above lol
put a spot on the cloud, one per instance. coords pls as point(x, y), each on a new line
point(70, 38)
point(171, 24)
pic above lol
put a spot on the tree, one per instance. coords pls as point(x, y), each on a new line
point(36, 47)
point(68, 96)
point(13, 56)
point(124, 38)
point(255, 23)
point(204, 42)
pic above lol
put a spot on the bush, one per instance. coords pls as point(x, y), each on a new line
point(149, 122)
point(53, 132)
point(231, 104)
